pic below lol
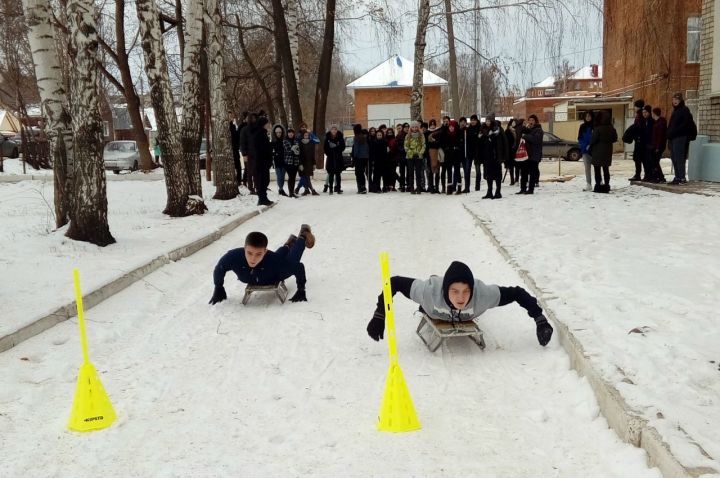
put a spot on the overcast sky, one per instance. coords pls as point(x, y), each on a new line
point(520, 46)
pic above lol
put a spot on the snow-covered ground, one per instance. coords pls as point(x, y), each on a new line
point(635, 275)
point(294, 390)
point(37, 261)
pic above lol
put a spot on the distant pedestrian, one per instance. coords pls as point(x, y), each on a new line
point(601, 151)
point(659, 143)
point(361, 156)
point(532, 133)
point(334, 147)
point(584, 135)
point(678, 133)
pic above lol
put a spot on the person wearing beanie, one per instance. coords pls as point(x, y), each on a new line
point(473, 130)
point(458, 296)
point(659, 143)
point(361, 157)
point(679, 133)
point(254, 264)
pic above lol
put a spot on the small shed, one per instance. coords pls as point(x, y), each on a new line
point(382, 95)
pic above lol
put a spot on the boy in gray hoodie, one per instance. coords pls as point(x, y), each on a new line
point(457, 297)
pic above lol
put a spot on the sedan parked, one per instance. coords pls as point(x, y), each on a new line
point(9, 147)
point(554, 147)
point(121, 155)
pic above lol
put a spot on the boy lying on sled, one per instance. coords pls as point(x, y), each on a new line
point(458, 297)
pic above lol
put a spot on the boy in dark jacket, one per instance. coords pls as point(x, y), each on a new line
point(659, 142)
point(678, 133)
point(532, 133)
point(254, 264)
point(458, 296)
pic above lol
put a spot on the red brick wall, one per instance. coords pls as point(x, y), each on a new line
point(644, 49)
point(372, 96)
point(535, 106)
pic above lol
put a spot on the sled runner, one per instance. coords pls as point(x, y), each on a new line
point(434, 332)
point(280, 290)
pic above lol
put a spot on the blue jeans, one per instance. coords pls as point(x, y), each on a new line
point(677, 154)
point(280, 174)
point(294, 253)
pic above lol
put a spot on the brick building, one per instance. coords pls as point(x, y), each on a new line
point(704, 161)
point(382, 95)
point(651, 50)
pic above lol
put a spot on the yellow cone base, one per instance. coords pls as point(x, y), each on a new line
point(397, 413)
point(91, 409)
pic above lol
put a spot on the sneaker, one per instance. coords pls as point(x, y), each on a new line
point(266, 202)
point(291, 240)
point(314, 193)
point(307, 234)
point(325, 188)
point(283, 193)
point(487, 196)
point(497, 196)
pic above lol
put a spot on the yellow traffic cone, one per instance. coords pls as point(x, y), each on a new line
point(397, 413)
point(91, 409)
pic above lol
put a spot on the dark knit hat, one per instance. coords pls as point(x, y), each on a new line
point(457, 272)
point(639, 103)
point(648, 108)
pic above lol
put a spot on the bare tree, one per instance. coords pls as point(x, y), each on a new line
point(325, 68)
point(416, 97)
point(177, 180)
point(39, 18)
point(191, 132)
point(126, 85)
point(283, 45)
point(89, 206)
point(454, 94)
point(226, 185)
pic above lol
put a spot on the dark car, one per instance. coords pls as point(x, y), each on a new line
point(347, 153)
point(554, 147)
point(34, 131)
point(9, 147)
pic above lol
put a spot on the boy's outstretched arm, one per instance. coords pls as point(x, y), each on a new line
point(376, 326)
point(523, 298)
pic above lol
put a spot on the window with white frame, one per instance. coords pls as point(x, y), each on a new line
point(693, 40)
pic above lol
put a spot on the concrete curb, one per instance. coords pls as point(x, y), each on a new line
point(105, 291)
point(629, 425)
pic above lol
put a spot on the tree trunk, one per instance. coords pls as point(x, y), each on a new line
point(292, 24)
point(283, 45)
point(416, 97)
point(279, 93)
point(39, 18)
point(454, 93)
point(226, 184)
point(191, 133)
point(253, 69)
point(177, 181)
point(89, 217)
point(180, 31)
point(131, 97)
point(325, 68)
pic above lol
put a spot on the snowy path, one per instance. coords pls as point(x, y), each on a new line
point(294, 390)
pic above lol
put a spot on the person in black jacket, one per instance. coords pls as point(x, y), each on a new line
point(261, 154)
point(254, 264)
point(235, 143)
point(493, 147)
point(379, 157)
point(278, 157)
point(678, 132)
point(646, 138)
point(532, 133)
point(246, 133)
point(334, 147)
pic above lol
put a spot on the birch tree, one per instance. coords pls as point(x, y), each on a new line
point(292, 24)
point(283, 45)
point(54, 102)
point(89, 205)
point(177, 181)
point(192, 95)
point(454, 91)
point(416, 96)
point(226, 186)
point(325, 68)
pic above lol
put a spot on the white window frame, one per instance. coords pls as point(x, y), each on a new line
point(715, 65)
point(695, 32)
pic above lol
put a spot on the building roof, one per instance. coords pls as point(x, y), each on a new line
point(585, 73)
point(548, 82)
point(394, 72)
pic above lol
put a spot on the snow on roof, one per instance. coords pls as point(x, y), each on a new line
point(585, 73)
point(396, 71)
point(33, 110)
point(150, 113)
point(548, 82)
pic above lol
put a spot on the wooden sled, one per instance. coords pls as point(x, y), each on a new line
point(434, 332)
point(280, 291)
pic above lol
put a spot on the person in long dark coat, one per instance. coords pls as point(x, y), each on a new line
point(601, 151)
point(380, 158)
point(532, 133)
point(334, 147)
point(261, 154)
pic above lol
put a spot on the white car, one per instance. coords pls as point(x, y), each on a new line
point(121, 155)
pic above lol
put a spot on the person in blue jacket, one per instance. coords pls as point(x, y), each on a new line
point(254, 264)
point(584, 135)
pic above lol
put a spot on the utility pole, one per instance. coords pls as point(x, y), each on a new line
point(477, 64)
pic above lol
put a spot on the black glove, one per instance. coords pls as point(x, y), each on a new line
point(544, 330)
point(299, 296)
point(219, 295)
point(376, 326)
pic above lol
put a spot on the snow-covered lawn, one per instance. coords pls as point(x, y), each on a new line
point(37, 262)
point(294, 389)
point(635, 275)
